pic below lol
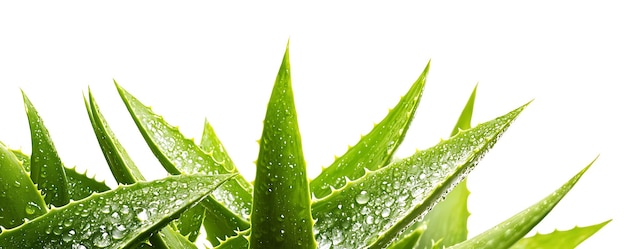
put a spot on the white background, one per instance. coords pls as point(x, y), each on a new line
point(350, 63)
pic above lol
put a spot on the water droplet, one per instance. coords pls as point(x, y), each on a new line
point(142, 215)
point(118, 232)
point(385, 213)
point(32, 208)
point(103, 240)
point(67, 237)
point(17, 184)
point(106, 209)
point(369, 219)
point(362, 197)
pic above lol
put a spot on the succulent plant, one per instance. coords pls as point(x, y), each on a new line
point(365, 199)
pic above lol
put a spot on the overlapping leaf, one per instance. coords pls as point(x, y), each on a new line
point(568, 239)
point(19, 198)
point(375, 149)
point(513, 229)
point(120, 218)
point(394, 197)
point(179, 154)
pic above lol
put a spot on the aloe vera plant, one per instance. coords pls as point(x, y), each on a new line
point(362, 200)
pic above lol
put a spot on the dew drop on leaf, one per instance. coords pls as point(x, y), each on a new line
point(103, 240)
point(362, 197)
point(142, 215)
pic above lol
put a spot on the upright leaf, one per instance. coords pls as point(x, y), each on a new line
point(568, 239)
point(121, 165)
point(79, 184)
point(513, 229)
point(375, 149)
point(394, 197)
point(281, 214)
point(47, 170)
point(121, 218)
point(447, 222)
point(19, 198)
point(179, 154)
point(125, 171)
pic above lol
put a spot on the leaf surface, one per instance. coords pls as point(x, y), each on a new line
point(47, 170)
point(120, 218)
point(19, 198)
point(394, 197)
point(375, 149)
point(513, 229)
point(179, 154)
point(281, 214)
point(447, 222)
point(568, 239)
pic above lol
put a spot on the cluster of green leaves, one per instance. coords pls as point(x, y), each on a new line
point(364, 199)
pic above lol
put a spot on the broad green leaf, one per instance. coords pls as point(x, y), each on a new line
point(394, 197)
point(447, 222)
point(281, 213)
point(125, 171)
point(19, 198)
point(375, 149)
point(79, 184)
point(120, 218)
point(47, 170)
point(568, 239)
point(513, 229)
point(122, 166)
point(179, 154)
point(410, 240)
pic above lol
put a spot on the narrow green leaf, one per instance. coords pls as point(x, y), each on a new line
point(19, 198)
point(513, 229)
point(190, 222)
point(568, 239)
point(122, 166)
point(281, 214)
point(394, 197)
point(375, 149)
point(219, 223)
point(410, 240)
point(125, 171)
point(179, 154)
point(79, 184)
point(47, 170)
point(120, 218)
point(447, 222)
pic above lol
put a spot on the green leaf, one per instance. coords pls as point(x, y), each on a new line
point(120, 218)
point(281, 214)
point(559, 239)
point(375, 149)
point(410, 240)
point(179, 154)
point(447, 222)
point(79, 184)
point(122, 166)
point(239, 241)
point(394, 197)
point(513, 229)
point(125, 171)
point(19, 198)
point(190, 222)
point(47, 170)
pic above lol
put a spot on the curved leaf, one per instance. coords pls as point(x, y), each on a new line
point(394, 197)
point(281, 213)
point(47, 170)
point(513, 229)
point(19, 198)
point(375, 149)
point(179, 154)
point(120, 218)
point(447, 222)
point(240, 241)
point(569, 239)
